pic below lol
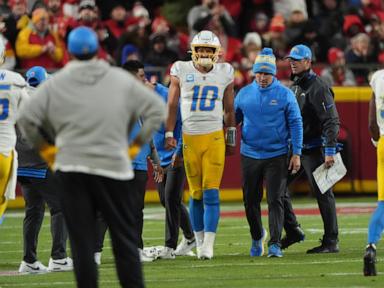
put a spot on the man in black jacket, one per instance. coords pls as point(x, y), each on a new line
point(39, 187)
point(321, 128)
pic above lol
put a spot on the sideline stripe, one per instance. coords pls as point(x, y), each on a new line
point(306, 211)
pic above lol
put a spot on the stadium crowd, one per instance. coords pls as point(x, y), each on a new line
point(343, 34)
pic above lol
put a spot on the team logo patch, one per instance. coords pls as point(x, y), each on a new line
point(190, 78)
point(273, 102)
point(265, 67)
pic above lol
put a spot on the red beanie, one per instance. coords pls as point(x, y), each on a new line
point(334, 54)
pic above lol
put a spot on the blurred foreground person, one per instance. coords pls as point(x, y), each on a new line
point(87, 110)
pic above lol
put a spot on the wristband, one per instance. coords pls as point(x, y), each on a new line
point(374, 142)
point(169, 134)
point(230, 138)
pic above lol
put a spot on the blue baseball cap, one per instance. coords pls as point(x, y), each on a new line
point(300, 52)
point(82, 41)
point(36, 75)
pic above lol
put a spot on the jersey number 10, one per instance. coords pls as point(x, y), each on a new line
point(206, 96)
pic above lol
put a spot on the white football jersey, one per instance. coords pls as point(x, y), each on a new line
point(377, 84)
point(201, 96)
point(12, 89)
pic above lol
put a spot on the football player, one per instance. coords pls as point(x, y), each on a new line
point(205, 89)
point(12, 90)
point(376, 129)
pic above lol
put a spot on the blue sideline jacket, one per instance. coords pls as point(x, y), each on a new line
point(159, 137)
point(270, 120)
point(140, 161)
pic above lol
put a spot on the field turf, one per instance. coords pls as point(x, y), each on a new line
point(231, 266)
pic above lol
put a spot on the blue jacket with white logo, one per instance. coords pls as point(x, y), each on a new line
point(159, 137)
point(270, 120)
point(140, 161)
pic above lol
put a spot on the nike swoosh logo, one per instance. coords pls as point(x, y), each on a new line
point(33, 268)
point(191, 242)
point(60, 263)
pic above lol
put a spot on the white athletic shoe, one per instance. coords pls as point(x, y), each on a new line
point(97, 257)
point(144, 257)
point(199, 237)
point(206, 250)
point(185, 247)
point(32, 268)
point(167, 253)
point(60, 265)
point(153, 251)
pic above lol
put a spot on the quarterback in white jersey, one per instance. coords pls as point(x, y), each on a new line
point(201, 96)
point(205, 90)
point(376, 129)
point(12, 89)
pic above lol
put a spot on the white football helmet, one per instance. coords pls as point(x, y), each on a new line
point(205, 38)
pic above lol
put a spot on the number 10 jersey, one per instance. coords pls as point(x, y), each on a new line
point(201, 96)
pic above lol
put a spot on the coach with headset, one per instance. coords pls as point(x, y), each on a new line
point(87, 109)
point(321, 128)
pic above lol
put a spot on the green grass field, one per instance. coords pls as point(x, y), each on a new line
point(231, 267)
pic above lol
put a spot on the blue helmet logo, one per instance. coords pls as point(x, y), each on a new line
point(36, 75)
point(82, 41)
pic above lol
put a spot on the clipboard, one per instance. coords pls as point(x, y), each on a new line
point(326, 178)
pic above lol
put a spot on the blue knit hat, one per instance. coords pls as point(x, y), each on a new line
point(265, 62)
point(127, 50)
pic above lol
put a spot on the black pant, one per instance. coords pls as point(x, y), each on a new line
point(274, 171)
point(82, 195)
point(101, 229)
point(140, 185)
point(310, 160)
point(138, 188)
point(176, 214)
point(37, 192)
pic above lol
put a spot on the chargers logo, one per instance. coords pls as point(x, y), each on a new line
point(265, 67)
point(190, 78)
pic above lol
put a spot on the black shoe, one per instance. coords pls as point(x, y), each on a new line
point(297, 235)
point(370, 260)
point(325, 247)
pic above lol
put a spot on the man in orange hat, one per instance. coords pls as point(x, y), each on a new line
point(36, 45)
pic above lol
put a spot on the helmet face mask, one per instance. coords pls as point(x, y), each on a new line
point(205, 48)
